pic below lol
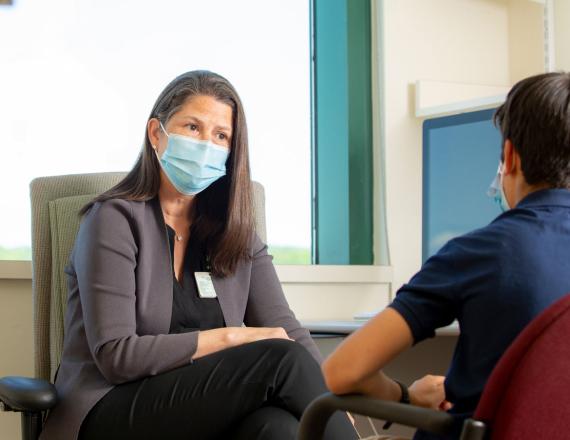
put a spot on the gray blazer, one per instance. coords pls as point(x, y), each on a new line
point(120, 305)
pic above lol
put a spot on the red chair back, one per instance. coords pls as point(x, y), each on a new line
point(528, 393)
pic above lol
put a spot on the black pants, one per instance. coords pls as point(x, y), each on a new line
point(253, 391)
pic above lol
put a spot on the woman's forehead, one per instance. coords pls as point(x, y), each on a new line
point(206, 109)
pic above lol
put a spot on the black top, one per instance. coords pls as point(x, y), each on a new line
point(189, 311)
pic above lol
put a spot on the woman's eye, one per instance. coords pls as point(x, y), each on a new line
point(222, 136)
point(193, 127)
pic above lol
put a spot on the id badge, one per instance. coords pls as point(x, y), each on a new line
point(205, 285)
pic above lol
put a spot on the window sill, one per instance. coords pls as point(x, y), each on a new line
point(290, 274)
point(15, 270)
point(338, 274)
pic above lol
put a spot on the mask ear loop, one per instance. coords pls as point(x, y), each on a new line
point(163, 129)
point(167, 135)
point(155, 152)
point(495, 186)
point(504, 202)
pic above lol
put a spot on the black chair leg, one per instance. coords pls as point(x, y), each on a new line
point(31, 425)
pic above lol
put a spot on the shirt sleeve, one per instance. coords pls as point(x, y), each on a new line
point(429, 300)
point(465, 268)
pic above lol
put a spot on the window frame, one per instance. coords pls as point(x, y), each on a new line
point(342, 133)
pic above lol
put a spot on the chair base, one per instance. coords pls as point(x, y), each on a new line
point(31, 425)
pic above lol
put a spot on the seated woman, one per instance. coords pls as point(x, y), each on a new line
point(165, 269)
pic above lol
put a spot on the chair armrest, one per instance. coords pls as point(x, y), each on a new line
point(24, 394)
point(315, 417)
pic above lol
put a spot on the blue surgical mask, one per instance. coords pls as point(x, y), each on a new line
point(496, 190)
point(192, 165)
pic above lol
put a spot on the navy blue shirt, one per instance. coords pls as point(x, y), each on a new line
point(494, 281)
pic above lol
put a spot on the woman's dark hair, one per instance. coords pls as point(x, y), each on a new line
point(536, 119)
point(222, 214)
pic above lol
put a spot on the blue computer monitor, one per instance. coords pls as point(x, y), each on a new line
point(460, 158)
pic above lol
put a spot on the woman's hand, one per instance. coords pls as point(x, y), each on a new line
point(429, 392)
point(244, 335)
point(211, 341)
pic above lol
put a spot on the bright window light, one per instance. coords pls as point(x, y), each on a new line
point(79, 78)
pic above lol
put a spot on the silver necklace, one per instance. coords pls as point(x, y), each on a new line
point(178, 237)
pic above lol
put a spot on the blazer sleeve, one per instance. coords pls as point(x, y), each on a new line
point(104, 260)
point(267, 306)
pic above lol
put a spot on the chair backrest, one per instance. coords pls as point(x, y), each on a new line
point(56, 201)
point(528, 393)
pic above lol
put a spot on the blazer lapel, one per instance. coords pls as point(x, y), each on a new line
point(154, 280)
point(232, 294)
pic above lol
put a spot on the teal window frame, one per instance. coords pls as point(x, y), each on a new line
point(342, 170)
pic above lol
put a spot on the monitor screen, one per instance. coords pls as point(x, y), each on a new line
point(461, 154)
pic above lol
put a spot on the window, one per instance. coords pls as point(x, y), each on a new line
point(79, 79)
point(461, 155)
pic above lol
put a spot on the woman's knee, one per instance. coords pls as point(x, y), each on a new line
point(287, 351)
point(288, 354)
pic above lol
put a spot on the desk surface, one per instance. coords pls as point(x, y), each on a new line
point(347, 327)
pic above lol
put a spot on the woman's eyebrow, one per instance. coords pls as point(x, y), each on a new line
point(224, 128)
point(197, 119)
point(191, 118)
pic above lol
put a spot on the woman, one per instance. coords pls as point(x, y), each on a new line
point(165, 269)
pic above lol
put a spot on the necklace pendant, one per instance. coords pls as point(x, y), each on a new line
point(178, 237)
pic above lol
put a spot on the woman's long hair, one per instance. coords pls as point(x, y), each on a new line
point(222, 215)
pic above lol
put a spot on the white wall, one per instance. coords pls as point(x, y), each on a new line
point(457, 41)
point(16, 342)
point(526, 38)
point(562, 34)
